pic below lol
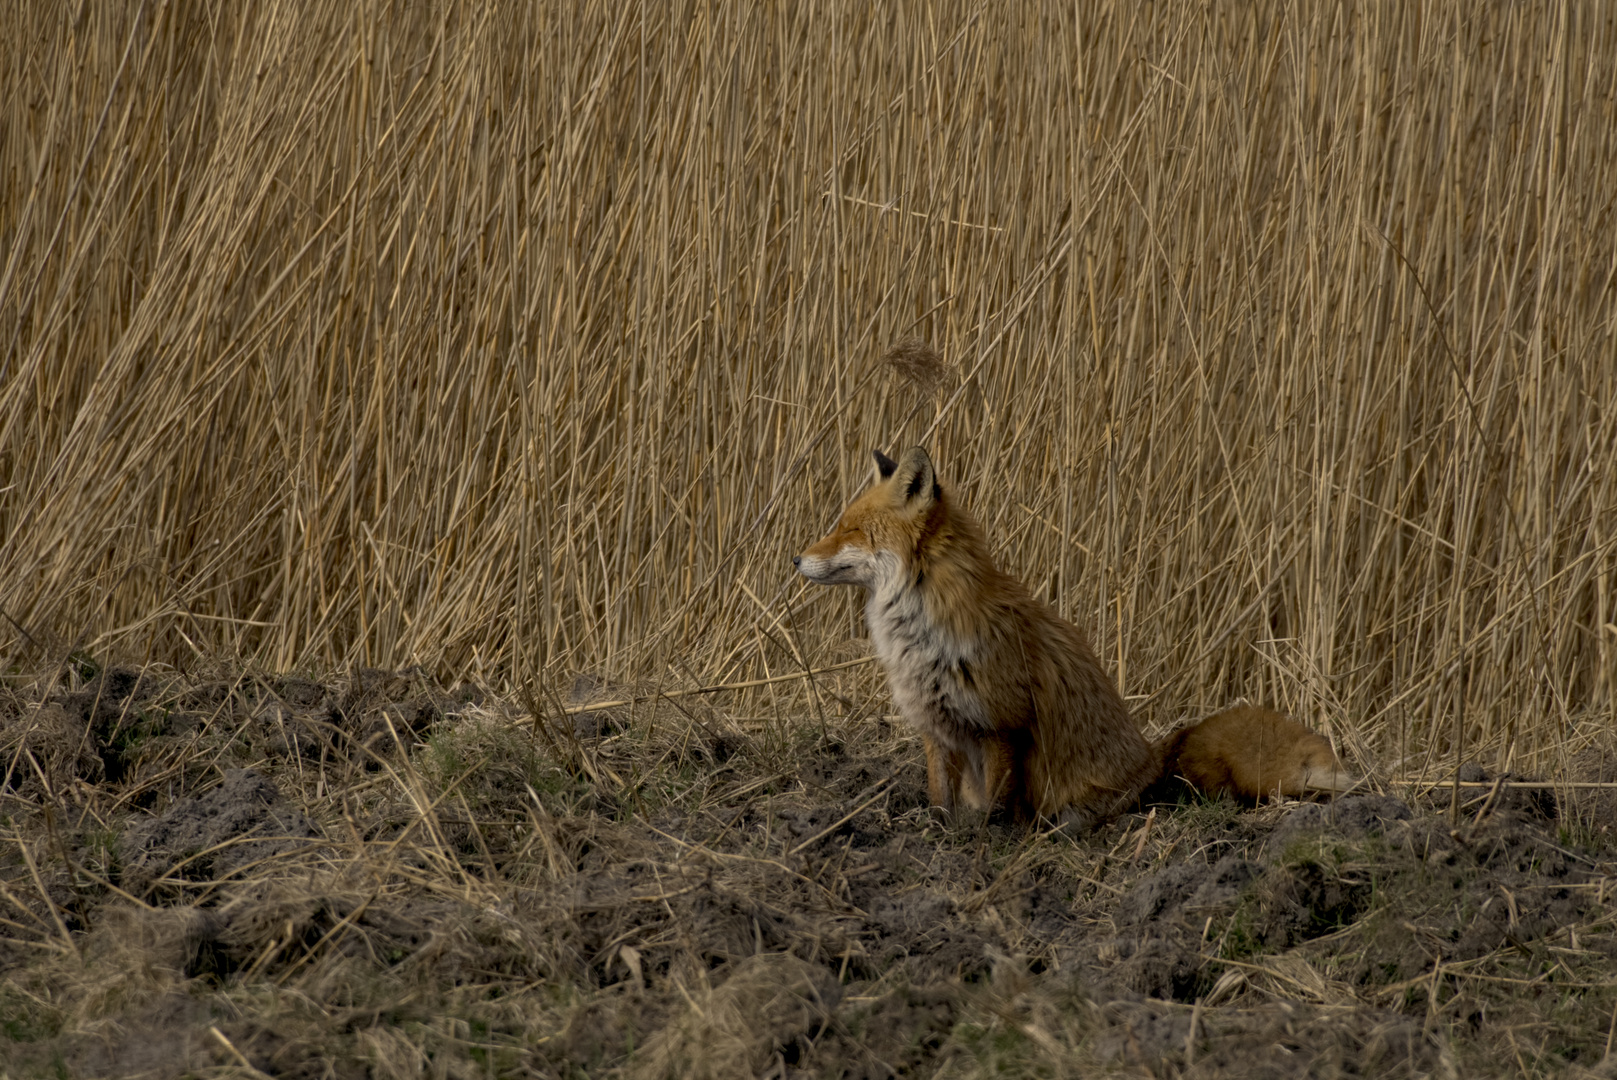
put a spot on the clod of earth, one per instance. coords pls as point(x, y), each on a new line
point(237, 825)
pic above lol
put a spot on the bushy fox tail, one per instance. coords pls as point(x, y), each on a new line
point(1249, 752)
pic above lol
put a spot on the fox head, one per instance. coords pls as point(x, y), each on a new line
point(880, 531)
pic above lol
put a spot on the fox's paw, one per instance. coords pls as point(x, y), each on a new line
point(964, 818)
point(1077, 822)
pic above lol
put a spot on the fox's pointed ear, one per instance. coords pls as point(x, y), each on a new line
point(917, 482)
point(884, 465)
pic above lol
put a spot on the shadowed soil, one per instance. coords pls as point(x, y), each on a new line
point(375, 876)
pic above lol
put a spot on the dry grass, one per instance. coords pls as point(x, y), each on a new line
point(408, 885)
point(1277, 344)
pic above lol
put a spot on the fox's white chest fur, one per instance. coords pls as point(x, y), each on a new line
point(928, 667)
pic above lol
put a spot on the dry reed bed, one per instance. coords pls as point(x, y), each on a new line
point(515, 342)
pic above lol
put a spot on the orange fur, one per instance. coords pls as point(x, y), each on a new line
point(1015, 710)
point(1250, 752)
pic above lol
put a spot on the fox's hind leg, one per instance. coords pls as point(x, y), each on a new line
point(1003, 778)
point(998, 774)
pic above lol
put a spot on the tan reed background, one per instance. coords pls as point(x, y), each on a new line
point(522, 340)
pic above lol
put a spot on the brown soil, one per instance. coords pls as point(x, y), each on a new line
point(378, 876)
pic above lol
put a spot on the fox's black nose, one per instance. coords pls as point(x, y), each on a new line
point(797, 560)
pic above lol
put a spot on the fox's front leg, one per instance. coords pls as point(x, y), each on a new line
point(1001, 789)
point(943, 769)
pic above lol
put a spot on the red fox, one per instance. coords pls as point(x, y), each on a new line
point(1015, 712)
point(1248, 752)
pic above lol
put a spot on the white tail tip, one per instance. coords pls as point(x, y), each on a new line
point(1333, 780)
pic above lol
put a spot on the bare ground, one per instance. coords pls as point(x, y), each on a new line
point(377, 876)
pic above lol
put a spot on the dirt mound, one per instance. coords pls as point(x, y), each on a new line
point(241, 824)
point(1158, 949)
point(362, 721)
point(1184, 889)
point(1264, 1043)
point(766, 1005)
point(392, 874)
point(1351, 816)
point(46, 752)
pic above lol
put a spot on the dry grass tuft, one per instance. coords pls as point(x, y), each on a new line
point(769, 1000)
point(919, 364)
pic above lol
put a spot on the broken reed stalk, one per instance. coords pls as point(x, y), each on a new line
point(1294, 322)
point(1529, 785)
